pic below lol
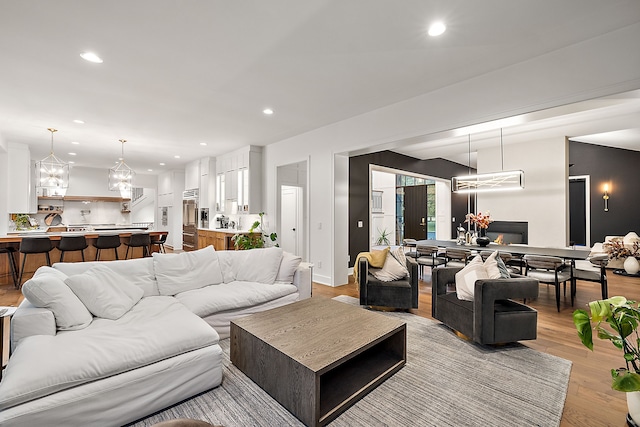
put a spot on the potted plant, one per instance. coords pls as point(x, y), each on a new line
point(622, 317)
point(256, 238)
point(383, 237)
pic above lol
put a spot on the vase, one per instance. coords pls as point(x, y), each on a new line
point(633, 405)
point(631, 265)
point(483, 240)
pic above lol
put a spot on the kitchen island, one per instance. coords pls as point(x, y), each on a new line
point(34, 261)
point(219, 238)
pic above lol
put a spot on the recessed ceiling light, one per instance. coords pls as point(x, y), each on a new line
point(149, 170)
point(268, 111)
point(161, 164)
point(176, 157)
point(72, 154)
point(80, 122)
point(71, 161)
point(203, 143)
point(91, 57)
point(75, 142)
point(437, 28)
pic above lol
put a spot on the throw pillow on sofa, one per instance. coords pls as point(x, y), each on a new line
point(46, 289)
point(186, 271)
point(104, 292)
point(466, 278)
point(288, 266)
point(253, 265)
point(495, 266)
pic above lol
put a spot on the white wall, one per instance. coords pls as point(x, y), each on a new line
point(85, 181)
point(542, 203)
point(385, 182)
point(545, 81)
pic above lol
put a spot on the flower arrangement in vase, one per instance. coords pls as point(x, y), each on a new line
point(482, 221)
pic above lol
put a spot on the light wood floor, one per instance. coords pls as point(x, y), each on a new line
point(590, 400)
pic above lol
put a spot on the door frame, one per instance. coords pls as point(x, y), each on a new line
point(303, 183)
point(587, 201)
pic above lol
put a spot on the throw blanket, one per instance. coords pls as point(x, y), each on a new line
point(376, 259)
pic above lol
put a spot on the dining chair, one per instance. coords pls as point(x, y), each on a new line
point(550, 270)
point(456, 257)
point(593, 269)
point(428, 255)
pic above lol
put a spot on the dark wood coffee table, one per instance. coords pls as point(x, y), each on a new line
point(317, 357)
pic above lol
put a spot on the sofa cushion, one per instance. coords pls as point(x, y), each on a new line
point(466, 278)
point(157, 328)
point(288, 266)
point(104, 292)
point(185, 271)
point(232, 296)
point(46, 289)
point(139, 271)
point(253, 265)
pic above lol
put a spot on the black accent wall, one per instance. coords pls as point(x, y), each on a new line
point(359, 190)
point(621, 169)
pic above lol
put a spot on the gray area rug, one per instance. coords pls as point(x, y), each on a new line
point(446, 382)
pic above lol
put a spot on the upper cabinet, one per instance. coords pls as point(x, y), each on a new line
point(239, 181)
point(170, 187)
point(21, 193)
point(192, 175)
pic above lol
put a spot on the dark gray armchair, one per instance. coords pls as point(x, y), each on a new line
point(492, 317)
point(396, 294)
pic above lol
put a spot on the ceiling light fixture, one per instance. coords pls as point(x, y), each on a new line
point(75, 142)
point(121, 175)
point(268, 111)
point(161, 164)
point(176, 156)
point(203, 143)
point(496, 181)
point(52, 172)
point(437, 29)
point(72, 154)
point(91, 57)
point(80, 122)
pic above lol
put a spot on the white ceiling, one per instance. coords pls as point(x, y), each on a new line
point(180, 73)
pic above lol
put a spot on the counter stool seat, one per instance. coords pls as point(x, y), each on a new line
point(160, 243)
point(34, 245)
point(111, 241)
point(72, 244)
point(140, 240)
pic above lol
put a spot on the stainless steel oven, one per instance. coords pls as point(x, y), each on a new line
point(190, 220)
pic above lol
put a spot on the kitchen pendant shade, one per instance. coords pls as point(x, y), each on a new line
point(497, 181)
point(121, 176)
point(52, 172)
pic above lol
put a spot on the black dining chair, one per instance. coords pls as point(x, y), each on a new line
point(107, 242)
point(72, 244)
point(34, 245)
point(141, 240)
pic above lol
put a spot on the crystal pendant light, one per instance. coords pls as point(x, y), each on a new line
point(52, 172)
point(121, 175)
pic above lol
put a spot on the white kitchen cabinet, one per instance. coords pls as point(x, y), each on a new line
point(239, 181)
point(170, 187)
point(192, 175)
point(204, 201)
point(21, 193)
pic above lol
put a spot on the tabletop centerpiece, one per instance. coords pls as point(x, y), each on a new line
point(629, 253)
point(481, 221)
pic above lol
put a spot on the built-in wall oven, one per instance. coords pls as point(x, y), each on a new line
point(190, 220)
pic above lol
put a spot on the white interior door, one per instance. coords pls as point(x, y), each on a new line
point(291, 215)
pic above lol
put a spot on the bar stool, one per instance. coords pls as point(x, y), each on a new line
point(141, 240)
point(34, 245)
point(72, 244)
point(160, 243)
point(107, 242)
point(10, 251)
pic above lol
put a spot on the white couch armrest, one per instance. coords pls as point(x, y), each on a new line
point(302, 279)
point(30, 320)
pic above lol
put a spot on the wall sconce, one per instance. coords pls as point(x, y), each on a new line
point(605, 196)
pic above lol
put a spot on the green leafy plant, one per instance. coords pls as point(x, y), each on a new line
point(383, 237)
point(622, 317)
point(255, 238)
point(22, 222)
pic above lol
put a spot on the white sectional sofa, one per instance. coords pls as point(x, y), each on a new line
point(106, 343)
